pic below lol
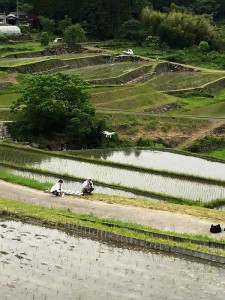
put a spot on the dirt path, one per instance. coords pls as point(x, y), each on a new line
point(153, 218)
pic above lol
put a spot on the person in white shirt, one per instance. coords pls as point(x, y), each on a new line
point(57, 189)
point(88, 186)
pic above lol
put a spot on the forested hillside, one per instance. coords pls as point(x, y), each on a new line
point(103, 18)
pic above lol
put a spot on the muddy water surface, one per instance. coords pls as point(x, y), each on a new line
point(40, 263)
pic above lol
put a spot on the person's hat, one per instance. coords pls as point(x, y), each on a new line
point(89, 178)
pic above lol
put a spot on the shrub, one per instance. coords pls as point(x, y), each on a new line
point(3, 38)
point(203, 46)
point(114, 44)
point(152, 125)
point(63, 24)
point(57, 105)
point(166, 128)
point(144, 142)
point(133, 121)
point(208, 143)
point(44, 39)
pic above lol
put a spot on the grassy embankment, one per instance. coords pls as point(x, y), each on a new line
point(202, 106)
point(59, 218)
point(20, 47)
point(200, 212)
point(219, 153)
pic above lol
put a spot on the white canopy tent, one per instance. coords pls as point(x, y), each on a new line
point(10, 30)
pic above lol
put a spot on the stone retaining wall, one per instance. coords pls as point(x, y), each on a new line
point(173, 67)
point(4, 134)
point(4, 85)
point(105, 235)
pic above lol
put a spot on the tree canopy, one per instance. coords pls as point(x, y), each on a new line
point(102, 19)
point(57, 104)
point(181, 29)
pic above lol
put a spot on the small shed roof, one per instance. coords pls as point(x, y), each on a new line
point(11, 16)
point(10, 30)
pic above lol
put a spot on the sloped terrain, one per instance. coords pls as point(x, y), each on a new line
point(129, 97)
point(160, 93)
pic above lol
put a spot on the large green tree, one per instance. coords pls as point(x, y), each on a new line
point(57, 104)
point(73, 35)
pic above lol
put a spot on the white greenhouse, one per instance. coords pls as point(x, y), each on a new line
point(10, 30)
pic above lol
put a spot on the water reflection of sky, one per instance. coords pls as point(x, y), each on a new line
point(76, 186)
point(163, 160)
point(41, 263)
point(133, 179)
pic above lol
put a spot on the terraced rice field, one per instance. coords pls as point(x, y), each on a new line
point(166, 185)
point(109, 70)
point(42, 263)
point(184, 80)
point(129, 97)
point(76, 185)
point(12, 62)
point(160, 160)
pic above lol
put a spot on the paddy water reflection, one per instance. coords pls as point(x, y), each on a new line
point(41, 263)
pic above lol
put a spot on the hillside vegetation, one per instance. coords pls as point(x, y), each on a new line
point(137, 103)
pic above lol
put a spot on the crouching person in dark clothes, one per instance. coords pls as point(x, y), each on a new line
point(88, 186)
point(57, 189)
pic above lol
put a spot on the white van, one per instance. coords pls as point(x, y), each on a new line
point(58, 40)
point(128, 52)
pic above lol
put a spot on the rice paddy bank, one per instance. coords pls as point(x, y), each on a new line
point(69, 220)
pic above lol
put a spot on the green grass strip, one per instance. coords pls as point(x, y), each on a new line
point(32, 183)
point(60, 218)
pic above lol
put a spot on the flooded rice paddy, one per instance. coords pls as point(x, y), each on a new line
point(76, 186)
point(40, 263)
point(166, 185)
point(160, 160)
